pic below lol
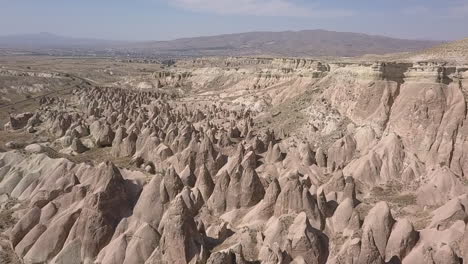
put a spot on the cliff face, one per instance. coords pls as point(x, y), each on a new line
point(264, 78)
point(423, 103)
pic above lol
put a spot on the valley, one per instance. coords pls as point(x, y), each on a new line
point(236, 159)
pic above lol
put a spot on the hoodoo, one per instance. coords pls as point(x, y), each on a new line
point(236, 160)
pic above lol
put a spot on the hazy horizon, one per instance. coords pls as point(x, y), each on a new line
point(210, 35)
point(146, 20)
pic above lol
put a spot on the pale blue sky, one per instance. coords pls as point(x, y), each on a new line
point(169, 19)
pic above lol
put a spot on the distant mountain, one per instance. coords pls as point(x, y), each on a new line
point(46, 40)
point(288, 43)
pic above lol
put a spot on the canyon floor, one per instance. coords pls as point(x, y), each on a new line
point(234, 160)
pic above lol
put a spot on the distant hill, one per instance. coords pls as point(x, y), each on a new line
point(288, 43)
point(46, 40)
point(454, 51)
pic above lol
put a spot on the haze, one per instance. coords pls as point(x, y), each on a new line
point(170, 19)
